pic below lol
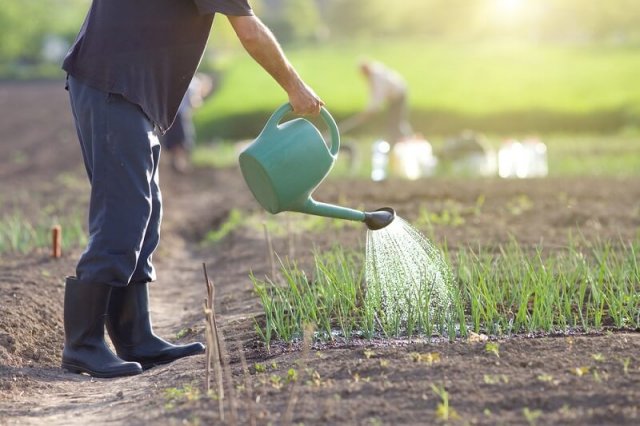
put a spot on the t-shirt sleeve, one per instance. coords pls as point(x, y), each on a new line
point(225, 7)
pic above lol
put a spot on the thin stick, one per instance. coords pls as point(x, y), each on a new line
point(212, 339)
point(207, 335)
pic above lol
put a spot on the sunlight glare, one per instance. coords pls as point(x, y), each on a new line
point(510, 7)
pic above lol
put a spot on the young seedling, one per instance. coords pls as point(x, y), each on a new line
point(531, 416)
point(428, 358)
point(580, 371)
point(444, 411)
point(625, 366)
point(493, 348)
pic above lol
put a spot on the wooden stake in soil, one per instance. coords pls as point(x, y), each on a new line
point(56, 241)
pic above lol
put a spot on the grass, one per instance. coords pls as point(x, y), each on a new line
point(488, 86)
point(587, 287)
point(18, 235)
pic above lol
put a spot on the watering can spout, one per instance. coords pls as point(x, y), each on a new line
point(380, 218)
point(374, 220)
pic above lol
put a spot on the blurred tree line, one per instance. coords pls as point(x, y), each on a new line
point(37, 32)
point(536, 20)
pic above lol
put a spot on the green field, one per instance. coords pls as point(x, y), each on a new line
point(495, 87)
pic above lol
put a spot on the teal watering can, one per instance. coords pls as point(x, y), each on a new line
point(287, 162)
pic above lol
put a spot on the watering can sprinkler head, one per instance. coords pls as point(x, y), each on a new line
point(380, 218)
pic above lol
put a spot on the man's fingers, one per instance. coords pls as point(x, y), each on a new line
point(309, 108)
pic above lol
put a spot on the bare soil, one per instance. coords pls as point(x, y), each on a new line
point(580, 379)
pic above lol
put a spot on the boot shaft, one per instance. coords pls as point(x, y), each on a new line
point(85, 350)
point(85, 310)
point(128, 320)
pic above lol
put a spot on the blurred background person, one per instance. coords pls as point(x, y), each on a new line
point(180, 138)
point(388, 93)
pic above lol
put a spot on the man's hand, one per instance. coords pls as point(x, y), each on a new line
point(263, 47)
point(304, 100)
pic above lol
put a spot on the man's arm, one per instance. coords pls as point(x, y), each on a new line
point(263, 47)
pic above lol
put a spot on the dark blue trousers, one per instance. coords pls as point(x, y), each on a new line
point(121, 154)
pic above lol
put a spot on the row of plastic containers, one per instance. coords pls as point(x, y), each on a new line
point(466, 155)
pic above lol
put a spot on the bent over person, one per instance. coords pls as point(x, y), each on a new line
point(388, 92)
point(126, 74)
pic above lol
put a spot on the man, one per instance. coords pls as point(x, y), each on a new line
point(387, 90)
point(127, 73)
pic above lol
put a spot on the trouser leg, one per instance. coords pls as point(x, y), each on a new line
point(121, 153)
point(145, 271)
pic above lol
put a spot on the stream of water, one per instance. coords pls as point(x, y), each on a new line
point(405, 273)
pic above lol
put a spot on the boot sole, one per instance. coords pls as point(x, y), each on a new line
point(79, 369)
point(147, 364)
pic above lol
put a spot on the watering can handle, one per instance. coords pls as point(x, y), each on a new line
point(333, 127)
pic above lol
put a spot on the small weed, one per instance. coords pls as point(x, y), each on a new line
point(451, 215)
point(260, 368)
point(495, 379)
point(233, 222)
point(444, 411)
point(292, 376)
point(174, 396)
point(546, 378)
point(428, 358)
point(315, 379)
point(493, 348)
point(374, 421)
point(531, 416)
point(580, 371)
point(596, 376)
point(184, 332)
point(625, 366)
point(520, 204)
point(276, 381)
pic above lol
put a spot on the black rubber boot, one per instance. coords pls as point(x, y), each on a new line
point(129, 326)
point(85, 351)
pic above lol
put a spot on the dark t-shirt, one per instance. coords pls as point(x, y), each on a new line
point(146, 50)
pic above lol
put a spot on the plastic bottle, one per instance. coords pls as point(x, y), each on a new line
point(380, 160)
point(537, 152)
point(522, 160)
